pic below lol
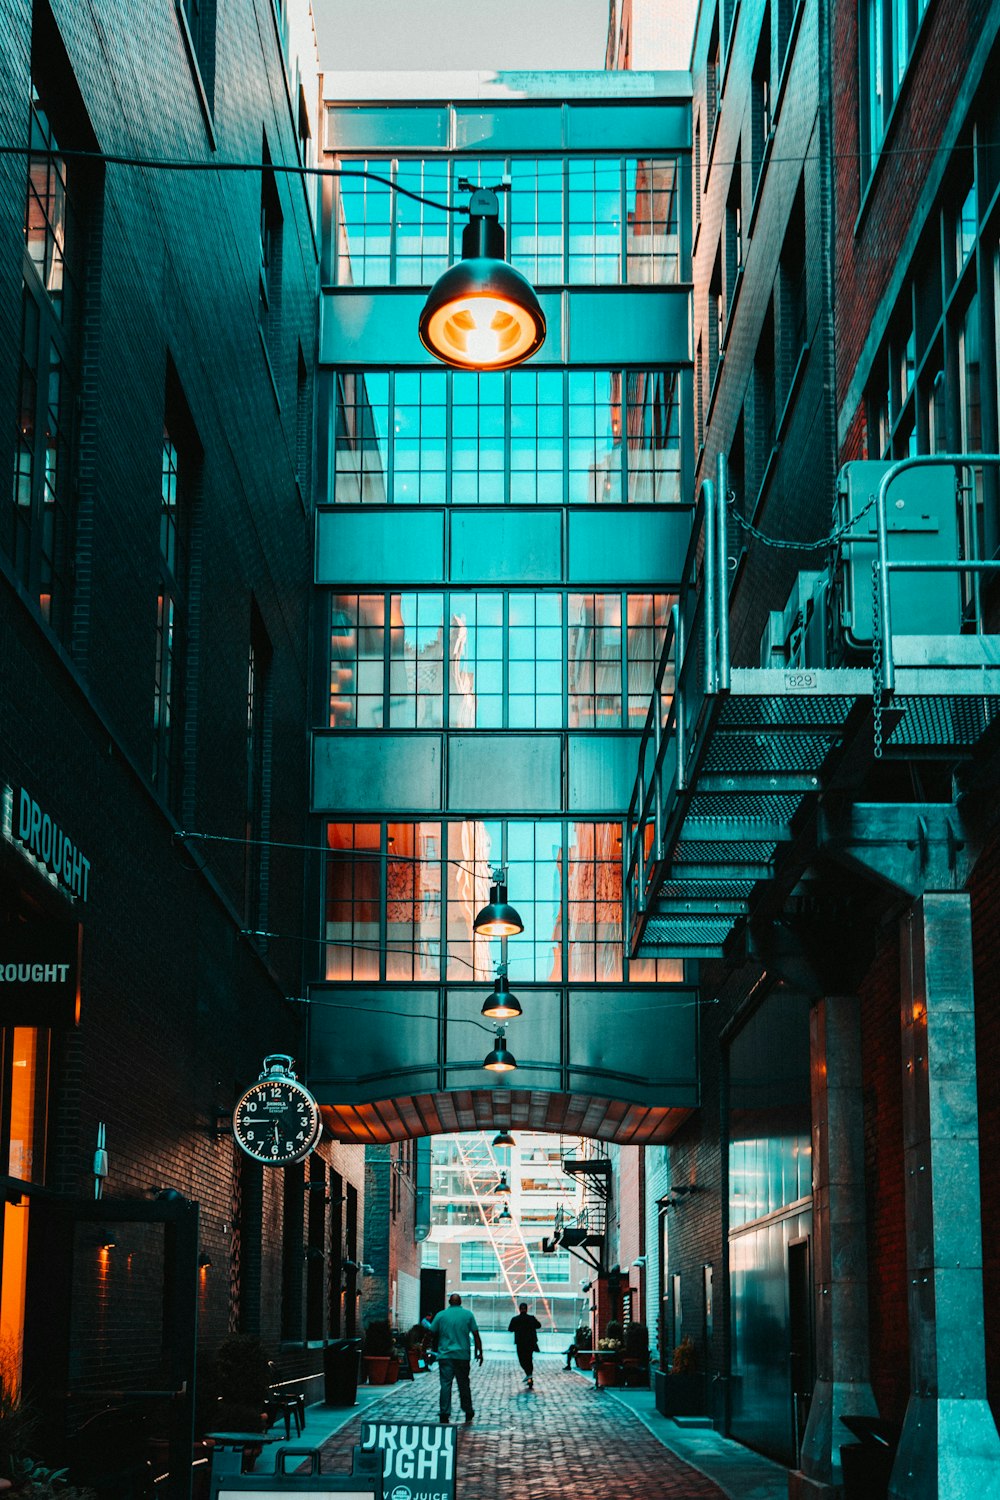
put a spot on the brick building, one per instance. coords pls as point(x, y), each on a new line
point(829, 1229)
point(156, 380)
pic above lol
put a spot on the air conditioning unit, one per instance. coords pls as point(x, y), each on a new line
point(796, 636)
point(922, 525)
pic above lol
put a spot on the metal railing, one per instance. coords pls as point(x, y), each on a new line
point(973, 566)
point(696, 651)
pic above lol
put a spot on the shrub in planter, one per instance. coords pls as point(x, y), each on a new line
point(378, 1352)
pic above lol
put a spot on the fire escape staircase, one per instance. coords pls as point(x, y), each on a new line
point(585, 1234)
point(748, 775)
point(517, 1268)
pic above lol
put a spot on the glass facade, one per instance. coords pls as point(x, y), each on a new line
point(493, 660)
point(770, 1211)
point(497, 550)
point(585, 220)
point(579, 437)
point(401, 898)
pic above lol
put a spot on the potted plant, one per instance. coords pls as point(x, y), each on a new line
point(377, 1352)
point(584, 1344)
point(240, 1380)
point(635, 1359)
point(609, 1348)
point(414, 1342)
point(680, 1391)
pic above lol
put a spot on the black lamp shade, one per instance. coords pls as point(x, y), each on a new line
point(497, 918)
point(501, 1005)
point(503, 1186)
point(503, 1139)
point(499, 1060)
point(481, 314)
point(503, 1214)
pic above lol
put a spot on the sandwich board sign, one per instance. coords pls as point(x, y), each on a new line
point(418, 1458)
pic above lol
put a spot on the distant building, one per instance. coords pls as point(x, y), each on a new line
point(497, 1262)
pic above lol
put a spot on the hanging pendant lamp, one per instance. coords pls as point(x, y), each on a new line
point(503, 1186)
point(481, 314)
point(500, 1004)
point(503, 1216)
point(499, 1060)
point(498, 918)
point(504, 1139)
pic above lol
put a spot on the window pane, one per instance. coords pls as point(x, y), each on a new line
point(353, 882)
point(413, 901)
point(654, 437)
point(474, 849)
point(653, 221)
point(595, 670)
point(416, 661)
point(594, 927)
point(534, 863)
point(357, 647)
point(475, 655)
point(361, 439)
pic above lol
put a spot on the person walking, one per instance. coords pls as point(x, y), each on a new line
point(452, 1330)
point(525, 1330)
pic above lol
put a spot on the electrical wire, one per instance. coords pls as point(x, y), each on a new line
point(328, 853)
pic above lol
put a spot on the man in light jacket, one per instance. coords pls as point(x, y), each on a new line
point(452, 1330)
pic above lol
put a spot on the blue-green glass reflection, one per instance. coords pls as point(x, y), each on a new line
point(569, 220)
point(529, 437)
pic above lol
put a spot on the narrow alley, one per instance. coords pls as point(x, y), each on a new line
point(566, 1437)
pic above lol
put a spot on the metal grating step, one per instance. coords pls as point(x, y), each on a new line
point(936, 723)
point(746, 806)
point(760, 708)
point(738, 751)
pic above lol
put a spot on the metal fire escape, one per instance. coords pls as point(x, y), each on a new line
point(585, 1234)
point(750, 775)
point(482, 1171)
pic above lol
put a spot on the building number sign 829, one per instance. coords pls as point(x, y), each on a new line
point(277, 1122)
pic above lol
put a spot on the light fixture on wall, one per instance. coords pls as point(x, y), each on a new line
point(498, 918)
point(503, 1186)
point(500, 1004)
point(204, 1261)
point(498, 1059)
point(481, 314)
point(504, 1216)
point(503, 1139)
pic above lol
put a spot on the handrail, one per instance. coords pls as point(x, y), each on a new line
point(885, 566)
point(708, 545)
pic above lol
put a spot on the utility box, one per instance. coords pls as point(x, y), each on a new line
point(796, 636)
point(921, 510)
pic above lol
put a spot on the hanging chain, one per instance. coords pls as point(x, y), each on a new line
point(782, 544)
point(876, 659)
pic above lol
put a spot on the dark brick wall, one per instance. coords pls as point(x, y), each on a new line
point(178, 1008)
point(874, 221)
point(797, 498)
point(884, 1182)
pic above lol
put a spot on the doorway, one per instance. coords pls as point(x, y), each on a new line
point(800, 1338)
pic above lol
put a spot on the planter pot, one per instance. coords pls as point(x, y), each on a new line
point(377, 1369)
point(584, 1359)
point(393, 1371)
point(607, 1372)
point(635, 1373)
point(680, 1395)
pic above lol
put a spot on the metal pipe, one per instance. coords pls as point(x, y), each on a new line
point(722, 499)
point(708, 591)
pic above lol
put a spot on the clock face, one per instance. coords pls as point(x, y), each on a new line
point(277, 1122)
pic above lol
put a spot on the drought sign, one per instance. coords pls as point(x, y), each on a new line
point(418, 1458)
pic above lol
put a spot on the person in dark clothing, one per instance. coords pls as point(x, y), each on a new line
point(525, 1330)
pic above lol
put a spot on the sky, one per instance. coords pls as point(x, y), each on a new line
point(470, 34)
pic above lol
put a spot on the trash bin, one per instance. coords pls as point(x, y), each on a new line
point(341, 1360)
point(867, 1464)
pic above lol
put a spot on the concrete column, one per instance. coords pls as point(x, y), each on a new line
point(839, 1245)
point(950, 1448)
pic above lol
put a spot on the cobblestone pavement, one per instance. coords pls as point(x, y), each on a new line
point(564, 1438)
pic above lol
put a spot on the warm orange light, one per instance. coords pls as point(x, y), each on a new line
point(483, 332)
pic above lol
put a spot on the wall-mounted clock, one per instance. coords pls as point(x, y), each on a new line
point(277, 1121)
